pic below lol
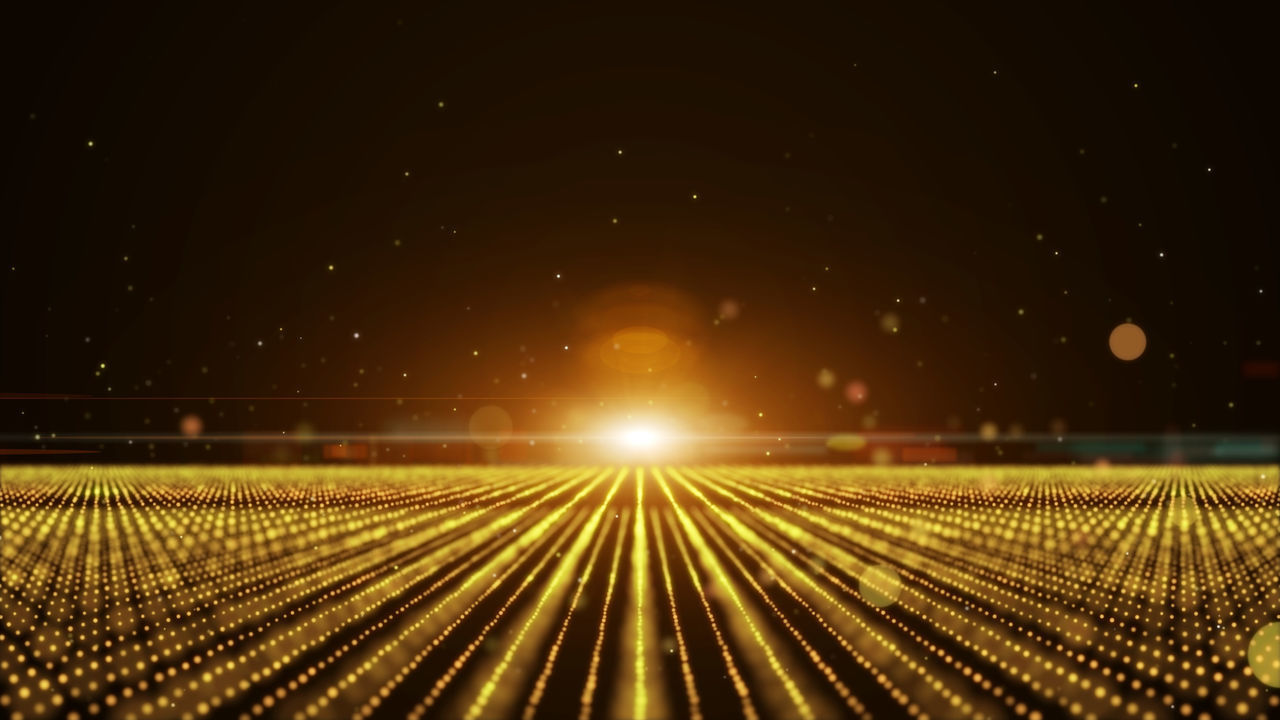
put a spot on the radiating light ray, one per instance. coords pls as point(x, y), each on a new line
point(566, 563)
point(640, 561)
point(540, 685)
point(731, 666)
point(592, 680)
point(823, 667)
point(317, 592)
point(780, 563)
point(686, 669)
point(801, 705)
point(543, 527)
point(820, 568)
point(639, 700)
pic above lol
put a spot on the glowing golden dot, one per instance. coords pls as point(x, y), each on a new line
point(1127, 341)
point(490, 426)
point(880, 585)
point(988, 431)
point(191, 425)
point(826, 379)
point(856, 392)
point(1264, 655)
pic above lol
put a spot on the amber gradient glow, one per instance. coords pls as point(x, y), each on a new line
point(653, 591)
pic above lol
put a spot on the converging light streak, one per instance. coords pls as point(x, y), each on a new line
point(552, 592)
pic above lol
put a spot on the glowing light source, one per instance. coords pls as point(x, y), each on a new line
point(640, 437)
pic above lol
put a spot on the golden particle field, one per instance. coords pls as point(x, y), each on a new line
point(640, 592)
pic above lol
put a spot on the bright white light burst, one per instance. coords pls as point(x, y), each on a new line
point(640, 438)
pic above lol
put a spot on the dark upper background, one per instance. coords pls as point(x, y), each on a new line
point(178, 180)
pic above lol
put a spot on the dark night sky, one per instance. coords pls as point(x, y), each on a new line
point(178, 182)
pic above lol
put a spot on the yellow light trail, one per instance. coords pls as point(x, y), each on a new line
point(540, 685)
point(640, 566)
point(635, 701)
point(640, 592)
point(731, 667)
point(592, 680)
point(686, 668)
point(555, 584)
point(749, 626)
